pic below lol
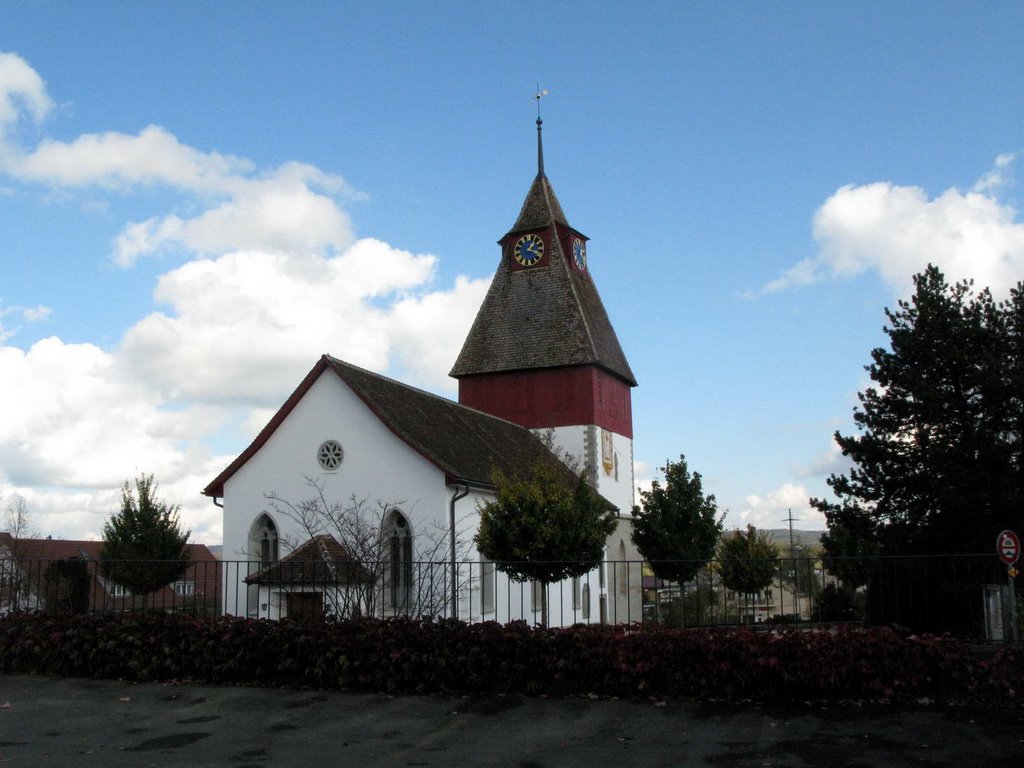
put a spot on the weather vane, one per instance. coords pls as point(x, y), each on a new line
point(538, 96)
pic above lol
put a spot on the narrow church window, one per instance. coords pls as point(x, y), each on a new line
point(487, 585)
point(622, 580)
point(399, 565)
point(263, 541)
point(585, 599)
point(575, 593)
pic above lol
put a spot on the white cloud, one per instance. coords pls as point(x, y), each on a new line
point(35, 314)
point(115, 160)
point(897, 231)
point(278, 213)
point(427, 330)
point(1000, 176)
point(21, 89)
point(29, 314)
point(245, 327)
point(772, 509)
point(288, 208)
point(70, 420)
point(272, 278)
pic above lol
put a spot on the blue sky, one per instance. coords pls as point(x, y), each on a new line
point(198, 199)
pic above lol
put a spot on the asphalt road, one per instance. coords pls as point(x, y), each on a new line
point(83, 723)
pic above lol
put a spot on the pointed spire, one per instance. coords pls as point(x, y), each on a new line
point(540, 147)
point(541, 207)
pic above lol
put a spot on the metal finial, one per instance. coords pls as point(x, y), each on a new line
point(540, 146)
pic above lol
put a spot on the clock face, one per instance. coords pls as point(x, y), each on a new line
point(579, 253)
point(528, 250)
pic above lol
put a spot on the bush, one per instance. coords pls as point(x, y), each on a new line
point(836, 604)
point(404, 656)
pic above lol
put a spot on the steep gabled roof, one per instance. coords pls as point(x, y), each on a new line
point(550, 316)
point(466, 444)
point(321, 560)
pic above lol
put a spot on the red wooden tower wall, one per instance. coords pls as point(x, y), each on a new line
point(556, 397)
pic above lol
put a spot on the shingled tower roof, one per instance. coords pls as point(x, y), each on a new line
point(548, 316)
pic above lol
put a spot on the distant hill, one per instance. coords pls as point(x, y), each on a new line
point(800, 538)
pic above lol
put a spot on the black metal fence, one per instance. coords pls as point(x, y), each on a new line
point(964, 595)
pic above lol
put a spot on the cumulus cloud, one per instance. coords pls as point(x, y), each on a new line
point(898, 230)
point(21, 90)
point(270, 277)
point(115, 160)
point(289, 208)
point(245, 327)
point(772, 509)
point(71, 420)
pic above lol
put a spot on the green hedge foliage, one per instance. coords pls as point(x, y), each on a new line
point(404, 656)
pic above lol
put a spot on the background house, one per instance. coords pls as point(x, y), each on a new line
point(35, 575)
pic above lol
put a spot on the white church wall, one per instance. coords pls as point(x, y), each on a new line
point(611, 457)
point(378, 469)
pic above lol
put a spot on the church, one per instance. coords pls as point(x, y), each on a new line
point(361, 495)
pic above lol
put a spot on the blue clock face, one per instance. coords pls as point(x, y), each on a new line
point(579, 253)
point(528, 250)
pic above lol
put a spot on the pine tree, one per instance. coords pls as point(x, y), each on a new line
point(937, 465)
point(143, 544)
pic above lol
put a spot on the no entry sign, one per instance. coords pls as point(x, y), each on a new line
point(1008, 547)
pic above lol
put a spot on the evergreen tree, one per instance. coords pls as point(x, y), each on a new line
point(748, 560)
point(676, 527)
point(545, 527)
point(937, 461)
point(143, 544)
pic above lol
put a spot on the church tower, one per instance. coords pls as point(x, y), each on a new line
point(542, 352)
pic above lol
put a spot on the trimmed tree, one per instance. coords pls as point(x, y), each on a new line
point(545, 527)
point(676, 526)
point(748, 561)
point(143, 544)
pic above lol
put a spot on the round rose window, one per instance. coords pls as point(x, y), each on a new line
point(330, 454)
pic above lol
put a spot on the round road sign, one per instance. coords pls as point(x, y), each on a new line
point(1008, 547)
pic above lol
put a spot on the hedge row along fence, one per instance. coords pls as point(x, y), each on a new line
point(405, 656)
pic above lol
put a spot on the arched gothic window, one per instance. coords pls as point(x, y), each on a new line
point(263, 540)
point(622, 574)
point(398, 541)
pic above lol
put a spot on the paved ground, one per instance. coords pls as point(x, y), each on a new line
point(55, 722)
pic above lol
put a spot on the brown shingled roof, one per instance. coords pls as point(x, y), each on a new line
point(62, 549)
point(547, 317)
point(321, 560)
point(540, 208)
point(466, 444)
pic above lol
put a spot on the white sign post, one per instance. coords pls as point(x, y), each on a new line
point(1008, 550)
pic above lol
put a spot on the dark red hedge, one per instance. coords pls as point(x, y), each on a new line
point(447, 657)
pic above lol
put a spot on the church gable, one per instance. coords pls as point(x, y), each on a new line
point(465, 445)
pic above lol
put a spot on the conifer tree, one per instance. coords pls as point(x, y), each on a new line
point(143, 543)
point(937, 461)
